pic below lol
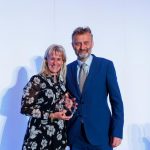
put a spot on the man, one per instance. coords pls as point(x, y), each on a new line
point(90, 80)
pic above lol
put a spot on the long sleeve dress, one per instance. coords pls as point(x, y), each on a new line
point(41, 97)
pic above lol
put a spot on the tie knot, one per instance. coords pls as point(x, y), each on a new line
point(83, 65)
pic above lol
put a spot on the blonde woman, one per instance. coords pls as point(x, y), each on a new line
point(41, 99)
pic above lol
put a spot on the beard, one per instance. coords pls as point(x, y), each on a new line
point(82, 56)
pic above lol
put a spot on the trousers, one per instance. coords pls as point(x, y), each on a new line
point(82, 143)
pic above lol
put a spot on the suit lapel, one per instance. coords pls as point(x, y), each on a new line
point(92, 72)
point(74, 67)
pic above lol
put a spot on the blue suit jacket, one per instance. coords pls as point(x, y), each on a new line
point(100, 123)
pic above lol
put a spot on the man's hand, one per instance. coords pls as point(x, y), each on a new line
point(115, 141)
point(70, 102)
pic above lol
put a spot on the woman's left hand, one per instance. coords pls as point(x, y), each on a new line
point(60, 115)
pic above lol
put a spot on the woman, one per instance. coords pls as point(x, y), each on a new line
point(42, 100)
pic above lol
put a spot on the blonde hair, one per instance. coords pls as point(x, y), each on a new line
point(49, 50)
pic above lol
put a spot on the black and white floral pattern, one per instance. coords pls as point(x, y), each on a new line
point(41, 97)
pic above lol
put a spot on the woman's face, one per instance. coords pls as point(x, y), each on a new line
point(55, 62)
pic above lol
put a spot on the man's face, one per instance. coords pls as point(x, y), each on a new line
point(82, 44)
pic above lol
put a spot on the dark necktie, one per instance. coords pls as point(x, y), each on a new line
point(82, 76)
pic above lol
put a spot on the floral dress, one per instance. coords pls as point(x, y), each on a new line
point(40, 98)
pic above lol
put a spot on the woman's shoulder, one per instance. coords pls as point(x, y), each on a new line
point(36, 77)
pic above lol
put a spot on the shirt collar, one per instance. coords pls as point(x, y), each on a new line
point(87, 62)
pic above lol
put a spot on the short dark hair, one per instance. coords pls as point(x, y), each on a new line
point(81, 30)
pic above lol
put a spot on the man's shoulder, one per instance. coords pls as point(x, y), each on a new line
point(72, 63)
point(101, 59)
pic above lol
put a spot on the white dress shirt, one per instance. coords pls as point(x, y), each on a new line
point(88, 64)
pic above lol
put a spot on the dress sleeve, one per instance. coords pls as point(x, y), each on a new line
point(29, 104)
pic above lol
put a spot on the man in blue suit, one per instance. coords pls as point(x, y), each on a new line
point(93, 126)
